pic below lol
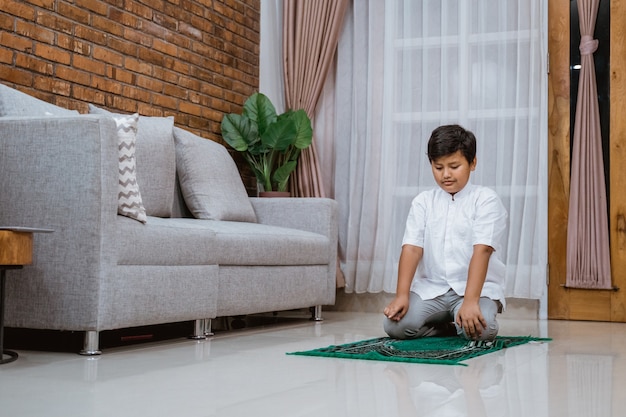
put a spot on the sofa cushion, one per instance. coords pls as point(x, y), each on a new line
point(164, 242)
point(209, 180)
point(129, 201)
point(16, 103)
point(156, 162)
point(261, 244)
point(187, 241)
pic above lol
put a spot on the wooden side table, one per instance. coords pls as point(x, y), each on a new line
point(16, 250)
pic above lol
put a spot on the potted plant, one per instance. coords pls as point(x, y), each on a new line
point(270, 143)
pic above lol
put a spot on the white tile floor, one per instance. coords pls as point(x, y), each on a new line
point(582, 372)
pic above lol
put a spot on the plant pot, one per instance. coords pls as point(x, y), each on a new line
point(274, 194)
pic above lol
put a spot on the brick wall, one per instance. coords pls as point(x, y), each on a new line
point(191, 59)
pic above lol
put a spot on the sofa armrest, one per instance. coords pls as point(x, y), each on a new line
point(317, 215)
point(60, 173)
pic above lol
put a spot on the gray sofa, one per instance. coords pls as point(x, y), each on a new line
point(206, 250)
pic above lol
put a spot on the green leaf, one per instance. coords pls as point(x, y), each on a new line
point(279, 135)
point(304, 131)
point(259, 108)
point(281, 175)
point(238, 132)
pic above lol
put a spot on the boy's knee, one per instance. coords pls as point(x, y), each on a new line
point(490, 332)
point(393, 329)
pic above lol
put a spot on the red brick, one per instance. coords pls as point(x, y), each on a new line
point(106, 85)
point(121, 75)
point(123, 18)
point(35, 32)
point(6, 56)
point(108, 56)
point(165, 47)
point(151, 56)
point(120, 104)
point(149, 110)
point(123, 47)
point(58, 87)
point(17, 43)
point(46, 4)
point(87, 94)
point(164, 101)
point(52, 53)
point(54, 22)
point(138, 66)
point(104, 24)
point(190, 108)
point(17, 76)
point(7, 22)
point(139, 9)
point(34, 64)
point(153, 29)
point(136, 94)
point(90, 34)
point(166, 75)
point(190, 84)
point(175, 91)
point(190, 31)
point(167, 22)
point(73, 13)
point(137, 37)
point(95, 6)
point(73, 75)
point(18, 8)
point(88, 64)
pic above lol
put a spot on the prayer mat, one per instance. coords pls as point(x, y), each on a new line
point(436, 350)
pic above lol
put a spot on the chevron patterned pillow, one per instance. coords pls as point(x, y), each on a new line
point(129, 201)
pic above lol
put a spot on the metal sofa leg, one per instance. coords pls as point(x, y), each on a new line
point(91, 344)
point(207, 328)
point(317, 313)
point(201, 329)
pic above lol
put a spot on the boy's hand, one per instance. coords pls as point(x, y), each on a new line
point(397, 308)
point(471, 319)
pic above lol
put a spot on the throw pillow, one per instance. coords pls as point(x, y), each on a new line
point(209, 180)
point(16, 103)
point(129, 201)
point(156, 162)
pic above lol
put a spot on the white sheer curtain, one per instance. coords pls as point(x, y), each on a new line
point(405, 67)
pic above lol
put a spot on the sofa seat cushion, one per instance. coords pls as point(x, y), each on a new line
point(240, 243)
point(164, 241)
point(187, 241)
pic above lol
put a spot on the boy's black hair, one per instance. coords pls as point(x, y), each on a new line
point(447, 139)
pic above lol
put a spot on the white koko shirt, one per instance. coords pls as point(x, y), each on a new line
point(447, 228)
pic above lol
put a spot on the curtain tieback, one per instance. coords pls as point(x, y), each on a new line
point(588, 45)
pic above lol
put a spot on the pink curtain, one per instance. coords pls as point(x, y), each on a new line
point(588, 255)
point(311, 30)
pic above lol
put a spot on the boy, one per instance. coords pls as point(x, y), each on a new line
point(453, 236)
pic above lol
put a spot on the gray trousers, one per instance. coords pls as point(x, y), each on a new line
point(434, 317)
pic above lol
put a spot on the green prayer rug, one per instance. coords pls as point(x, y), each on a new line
point(436, 350)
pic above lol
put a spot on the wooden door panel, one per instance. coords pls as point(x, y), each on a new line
point(577, 304)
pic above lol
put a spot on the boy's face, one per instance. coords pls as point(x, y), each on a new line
point(452, 171)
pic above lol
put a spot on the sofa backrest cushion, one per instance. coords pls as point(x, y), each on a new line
point(156, 162)
point(129, 201)
point(209, 180)
point(16, 103)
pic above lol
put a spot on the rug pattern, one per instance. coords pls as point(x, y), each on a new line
point(435, 350)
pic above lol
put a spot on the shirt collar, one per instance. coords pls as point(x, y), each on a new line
point(461, 194)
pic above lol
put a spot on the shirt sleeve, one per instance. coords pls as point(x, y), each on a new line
point(415, 223)
point(490, 224)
